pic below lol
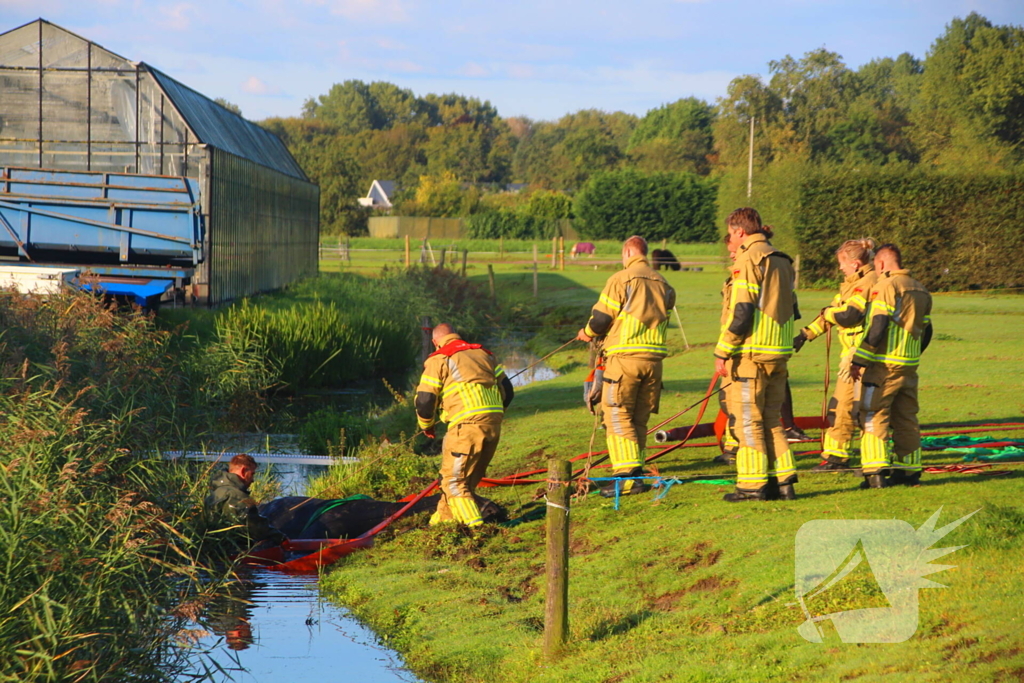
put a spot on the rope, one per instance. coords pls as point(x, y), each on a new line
point(541, 360)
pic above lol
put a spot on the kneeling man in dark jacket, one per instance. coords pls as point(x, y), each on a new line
point(229, 502)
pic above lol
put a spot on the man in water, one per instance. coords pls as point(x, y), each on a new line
point(229, 501)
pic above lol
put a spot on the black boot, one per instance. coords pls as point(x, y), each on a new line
point(741, 495)
point(786, 492)
point(832, 464)
point(906, 478)
point(771, 489)
point(795, 434)
point(874, 481)
point(726, 458)
point(897, 477)
point(628, 486)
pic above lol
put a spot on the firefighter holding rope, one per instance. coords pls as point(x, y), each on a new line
point(846, 314)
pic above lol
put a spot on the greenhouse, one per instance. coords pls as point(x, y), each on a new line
point(67, 104)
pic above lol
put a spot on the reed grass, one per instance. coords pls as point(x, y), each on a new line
point(101, 547)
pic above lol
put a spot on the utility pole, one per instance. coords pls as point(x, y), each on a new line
point(750, 161)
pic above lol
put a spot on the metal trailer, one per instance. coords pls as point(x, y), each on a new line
point(68, 104)
point(132, 235)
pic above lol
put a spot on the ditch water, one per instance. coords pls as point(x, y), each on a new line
point(269, 628)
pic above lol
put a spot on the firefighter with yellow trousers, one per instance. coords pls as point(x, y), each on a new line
point(845, 313)
point(632, 316)
point(464, 385)
point(899, 329)
point(752, 352)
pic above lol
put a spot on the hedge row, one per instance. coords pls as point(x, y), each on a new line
point(956, 231)
point(511, 224)
point(674, 206)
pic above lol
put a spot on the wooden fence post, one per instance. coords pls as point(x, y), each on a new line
point(407, 261)
point(554, 253)
point(427, 344)
point(348, 251)
point(501, 247)
point(423, 252)
point(465, 255)
point(490, 279)
point(796, 272)
point(444, 250)
point(534, 270)
point(556, 612)
point(561, 252)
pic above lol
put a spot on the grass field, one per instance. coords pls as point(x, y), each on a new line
point(693, 588)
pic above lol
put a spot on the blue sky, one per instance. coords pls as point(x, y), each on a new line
point(539, 58)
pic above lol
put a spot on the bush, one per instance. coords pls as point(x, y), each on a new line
point(674, 206)
point(510, 225)
point(956, 231)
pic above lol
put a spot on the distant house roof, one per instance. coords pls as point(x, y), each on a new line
point(380, 195)
point(226, 130)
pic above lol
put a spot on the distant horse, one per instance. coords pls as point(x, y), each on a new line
point(583, 248)
point(663, 258)
point(302, 517)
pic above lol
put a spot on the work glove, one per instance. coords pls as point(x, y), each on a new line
point(845, 361)
point(799, 341)
point(429, 433)
point(592, 389)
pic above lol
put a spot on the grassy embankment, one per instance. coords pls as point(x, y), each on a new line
point(695, 588)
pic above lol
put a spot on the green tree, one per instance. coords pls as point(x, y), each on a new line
point(230, 106)
point(674, 137)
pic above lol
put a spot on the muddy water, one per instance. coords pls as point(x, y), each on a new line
point(270, 628)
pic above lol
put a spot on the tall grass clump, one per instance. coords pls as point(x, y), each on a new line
point(100, 545)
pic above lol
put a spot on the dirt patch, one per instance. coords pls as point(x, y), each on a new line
point(667, 602)
point(581, 545)
point(958, 646)
point(617, 678)
point(990, 657)
point(711, 584)
point(697, 556)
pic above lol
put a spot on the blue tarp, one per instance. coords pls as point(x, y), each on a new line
point(142, 290)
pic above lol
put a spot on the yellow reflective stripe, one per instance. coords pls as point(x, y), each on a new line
point(424, 424)
point(751, 287)
point(726, 348)
point(636, 348)
point(815, 328)
point(858, 301)
point(499, 370)
point(462, 415)
point(610, 303)
point(624, 453)
point(430, 381)
point(589, 332)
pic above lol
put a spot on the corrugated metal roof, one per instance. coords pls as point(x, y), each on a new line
point(214, 125)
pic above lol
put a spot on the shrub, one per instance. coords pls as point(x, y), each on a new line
point(674, 206)
point(510, 225)
point(955, 230)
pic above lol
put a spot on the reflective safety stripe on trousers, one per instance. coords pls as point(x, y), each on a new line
point(466, 510)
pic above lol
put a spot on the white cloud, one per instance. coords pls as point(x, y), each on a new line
point(380, 10)
point(473, 70)
point(254, 86)
point(175, 17)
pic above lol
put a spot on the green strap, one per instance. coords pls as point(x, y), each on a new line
point(328, 506)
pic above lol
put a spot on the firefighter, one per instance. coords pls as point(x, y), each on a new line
point(846, 313)
point(898, 330)
point(632, 316)
point(752, 351)
point(464, 385)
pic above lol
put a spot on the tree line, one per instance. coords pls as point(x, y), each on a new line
point(961, 107)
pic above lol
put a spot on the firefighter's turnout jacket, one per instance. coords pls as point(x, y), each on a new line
point(463, 385)
point(898, 330)
point(846, 312)
point(756, 340)
point(847, 309)
point(632, 316)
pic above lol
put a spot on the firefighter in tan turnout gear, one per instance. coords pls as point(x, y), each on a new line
point(464, 385)
point(846, 313)
point(899, 329)
point(753, 348)
point(632, 316)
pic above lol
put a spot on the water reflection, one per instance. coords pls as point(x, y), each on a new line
point(270, 628)
point(515, 359)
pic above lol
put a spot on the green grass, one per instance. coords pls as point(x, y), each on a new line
point(693, 588)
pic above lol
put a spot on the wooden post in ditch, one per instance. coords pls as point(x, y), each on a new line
point(465, 255)
point(490, 280)
point(556, 611)
point(407, 252)
point(534, 270)
point(427, 343)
